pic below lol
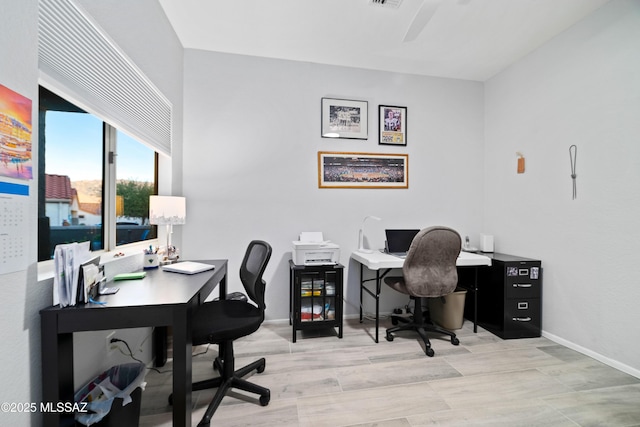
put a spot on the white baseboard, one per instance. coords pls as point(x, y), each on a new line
point(599, 357)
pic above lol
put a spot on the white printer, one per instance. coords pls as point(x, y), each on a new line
point(312, 249)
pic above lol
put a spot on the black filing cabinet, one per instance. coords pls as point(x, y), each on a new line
point(510, 296)
point(315, 297)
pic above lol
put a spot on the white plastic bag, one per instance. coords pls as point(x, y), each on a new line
point(117, 382)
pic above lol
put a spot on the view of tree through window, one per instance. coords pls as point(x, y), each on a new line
point(72, 197)
point(135, 182)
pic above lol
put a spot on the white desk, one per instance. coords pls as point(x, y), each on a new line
point(377, 261)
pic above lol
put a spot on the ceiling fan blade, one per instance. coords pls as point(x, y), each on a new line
point(422, 18)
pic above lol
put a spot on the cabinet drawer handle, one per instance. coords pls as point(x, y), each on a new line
point(522, 285)
point(521, 319)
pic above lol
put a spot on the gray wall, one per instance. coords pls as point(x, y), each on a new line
point(581, 88)
point(21, 297)
point(252, 134)
point(141, 29)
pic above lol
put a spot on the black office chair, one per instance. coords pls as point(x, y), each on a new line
point(429, 271)
point(223, 321)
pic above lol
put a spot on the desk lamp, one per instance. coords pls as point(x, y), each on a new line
point(168, 210)
point(361, 235)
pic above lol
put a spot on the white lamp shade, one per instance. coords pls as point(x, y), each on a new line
point(165, 210)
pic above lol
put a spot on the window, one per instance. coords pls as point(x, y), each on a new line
point(95, 180)
point(135, 182)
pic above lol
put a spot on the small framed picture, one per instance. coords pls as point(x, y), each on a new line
point(362, 170)
point(342, 118)
point(392, 125)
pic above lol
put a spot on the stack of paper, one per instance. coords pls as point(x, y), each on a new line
point(67, 259)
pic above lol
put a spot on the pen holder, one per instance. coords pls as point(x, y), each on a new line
point(150, 261)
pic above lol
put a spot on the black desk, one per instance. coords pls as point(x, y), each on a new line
point(160, 299)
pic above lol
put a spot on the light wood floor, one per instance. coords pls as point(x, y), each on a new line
point(485, 381)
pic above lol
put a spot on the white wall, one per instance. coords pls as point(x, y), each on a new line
point(21, 299)
point(582, 88)
point(252, 133)
point(58, 212)
point(142, 31)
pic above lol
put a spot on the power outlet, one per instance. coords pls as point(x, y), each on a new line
point(108, 346)
point(403, 311)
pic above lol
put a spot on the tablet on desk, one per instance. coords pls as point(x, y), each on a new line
point(188, 267)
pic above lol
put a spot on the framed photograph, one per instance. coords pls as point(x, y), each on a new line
point(342, 118)
point(392, 124)
point(362, 170)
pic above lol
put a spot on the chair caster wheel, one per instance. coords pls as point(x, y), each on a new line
point(261, 368)
point(389, 337)
point(264, 399)
point(394, 321)
point(430, 352)
point(455, 341)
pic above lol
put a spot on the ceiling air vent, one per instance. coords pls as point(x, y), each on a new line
point(392, 4)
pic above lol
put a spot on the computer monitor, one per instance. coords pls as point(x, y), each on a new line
point(399, 241)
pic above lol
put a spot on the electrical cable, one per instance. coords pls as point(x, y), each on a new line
point(206, 350)
point(115, 340)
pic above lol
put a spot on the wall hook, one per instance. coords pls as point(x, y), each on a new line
point(573, 155)
point(520, 162)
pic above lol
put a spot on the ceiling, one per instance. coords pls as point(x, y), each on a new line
point(462, 39)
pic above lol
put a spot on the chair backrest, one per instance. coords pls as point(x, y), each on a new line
point(253, 266)
point(429, 269)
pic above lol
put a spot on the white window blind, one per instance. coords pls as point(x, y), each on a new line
point(77, 57)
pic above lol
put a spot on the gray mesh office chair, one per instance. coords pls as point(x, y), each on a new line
point(429, 271)
point(223, 321)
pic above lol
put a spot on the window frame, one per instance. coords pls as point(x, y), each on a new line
point(109, 186)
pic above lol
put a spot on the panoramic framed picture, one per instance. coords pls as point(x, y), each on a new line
point(362, 170)
point(392, 125)
point(342, 118)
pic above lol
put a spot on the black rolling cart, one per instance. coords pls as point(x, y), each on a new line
point(315, 297)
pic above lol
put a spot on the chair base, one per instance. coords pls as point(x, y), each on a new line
point(228, 379)
point(422, 325)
